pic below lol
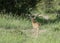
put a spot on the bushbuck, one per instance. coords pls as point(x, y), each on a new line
point(35, 26)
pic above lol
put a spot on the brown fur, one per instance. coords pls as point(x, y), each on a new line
point(35, 26)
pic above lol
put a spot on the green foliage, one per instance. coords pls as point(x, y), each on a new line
point(19, 7)
point(22, 7)
point(48, 6)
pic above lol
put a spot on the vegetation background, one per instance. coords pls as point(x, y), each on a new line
point(15, 25)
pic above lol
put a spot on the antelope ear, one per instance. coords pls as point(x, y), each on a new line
point(29, 15)
point(34, 17)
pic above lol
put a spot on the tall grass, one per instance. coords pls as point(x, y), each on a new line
point(10, 36)
point(10, 26)
point(8, 22)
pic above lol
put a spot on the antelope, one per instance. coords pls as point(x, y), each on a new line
point(35, 26)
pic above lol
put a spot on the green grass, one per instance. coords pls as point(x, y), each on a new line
point(10, 36)
point(9, 22)
point(10, 31)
